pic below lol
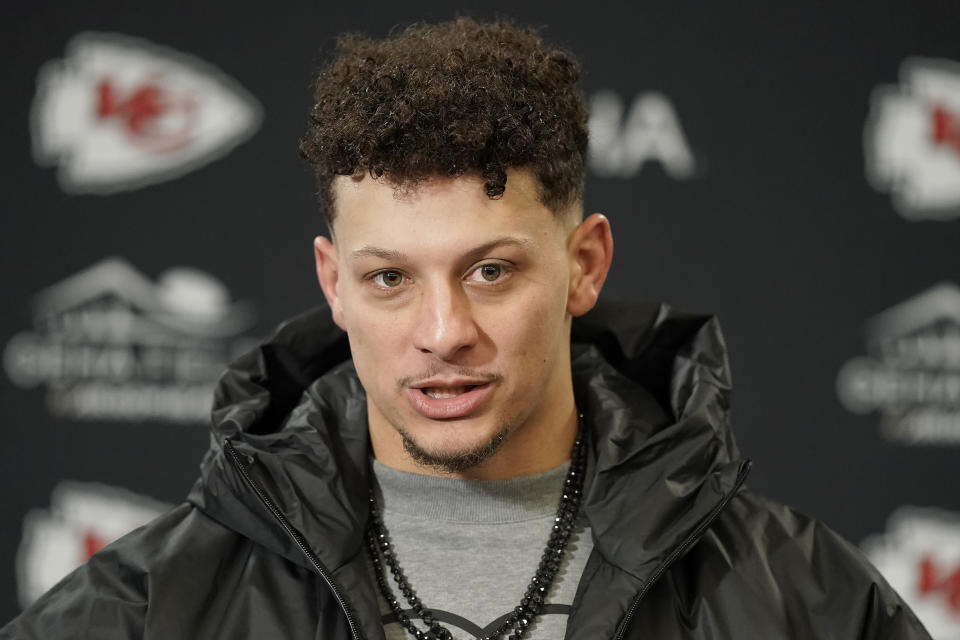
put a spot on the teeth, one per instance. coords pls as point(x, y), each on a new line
point(445, 392)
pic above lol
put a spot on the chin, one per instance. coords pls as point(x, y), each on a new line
point(455, 451)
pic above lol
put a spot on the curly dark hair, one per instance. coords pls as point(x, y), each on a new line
point(448, 99)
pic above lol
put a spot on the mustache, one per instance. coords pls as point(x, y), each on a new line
point(438, 370)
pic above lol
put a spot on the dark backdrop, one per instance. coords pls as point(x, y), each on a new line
point(774, 227)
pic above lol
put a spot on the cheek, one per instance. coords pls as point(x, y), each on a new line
point(530, 332)
point(374, 338)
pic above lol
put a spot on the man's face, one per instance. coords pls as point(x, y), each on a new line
point(456, 310)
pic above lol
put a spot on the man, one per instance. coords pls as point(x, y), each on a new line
point(445, 451)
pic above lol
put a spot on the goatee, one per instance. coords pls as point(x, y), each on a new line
point(455, 461)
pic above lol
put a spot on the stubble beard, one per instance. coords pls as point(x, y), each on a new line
point(456, 461)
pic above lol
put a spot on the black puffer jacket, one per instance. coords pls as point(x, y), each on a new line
point(269, 542)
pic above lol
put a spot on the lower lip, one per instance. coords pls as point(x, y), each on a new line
point(446, 408)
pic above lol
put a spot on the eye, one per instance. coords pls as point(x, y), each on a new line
point(492, 273)
point(388, 279)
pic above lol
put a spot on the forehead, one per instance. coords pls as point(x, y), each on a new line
point(438, 212)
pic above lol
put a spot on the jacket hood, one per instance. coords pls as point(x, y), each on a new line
point(652, 382)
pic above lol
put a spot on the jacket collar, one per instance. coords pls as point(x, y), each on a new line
point(654, 385)
point(652, 382)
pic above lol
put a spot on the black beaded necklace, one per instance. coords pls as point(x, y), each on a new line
point(519, 621)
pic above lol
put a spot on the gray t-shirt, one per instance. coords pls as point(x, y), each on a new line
point(469, 548)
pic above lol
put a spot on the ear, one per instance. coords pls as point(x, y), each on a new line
point(328, 273)
point(591, 250)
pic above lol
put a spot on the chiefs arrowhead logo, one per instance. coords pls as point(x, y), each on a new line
point(912, 140)
point(143, 116)
point(81, 520)
point(118, 113)
point(919, 555)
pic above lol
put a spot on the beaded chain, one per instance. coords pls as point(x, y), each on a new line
point(518, 622)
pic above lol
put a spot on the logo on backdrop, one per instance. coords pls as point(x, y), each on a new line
point(911, 375)
point(82, 519)
point(651, 132)
point(912, 140)
point(118, 113)
point(109, 344)
point(920, 556)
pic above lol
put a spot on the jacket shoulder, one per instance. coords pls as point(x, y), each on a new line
point(788, 543)
point(763, 569)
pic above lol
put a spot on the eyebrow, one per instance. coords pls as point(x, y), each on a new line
point(398, 256)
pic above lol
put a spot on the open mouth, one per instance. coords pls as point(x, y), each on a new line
point(443, 403)
point(447, 392)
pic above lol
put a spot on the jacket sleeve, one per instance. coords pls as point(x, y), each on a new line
point(105, 598)
point(823, 585)
point(763, 570)
point(867, 604)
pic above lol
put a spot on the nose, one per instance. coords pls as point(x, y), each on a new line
point(445, 323)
